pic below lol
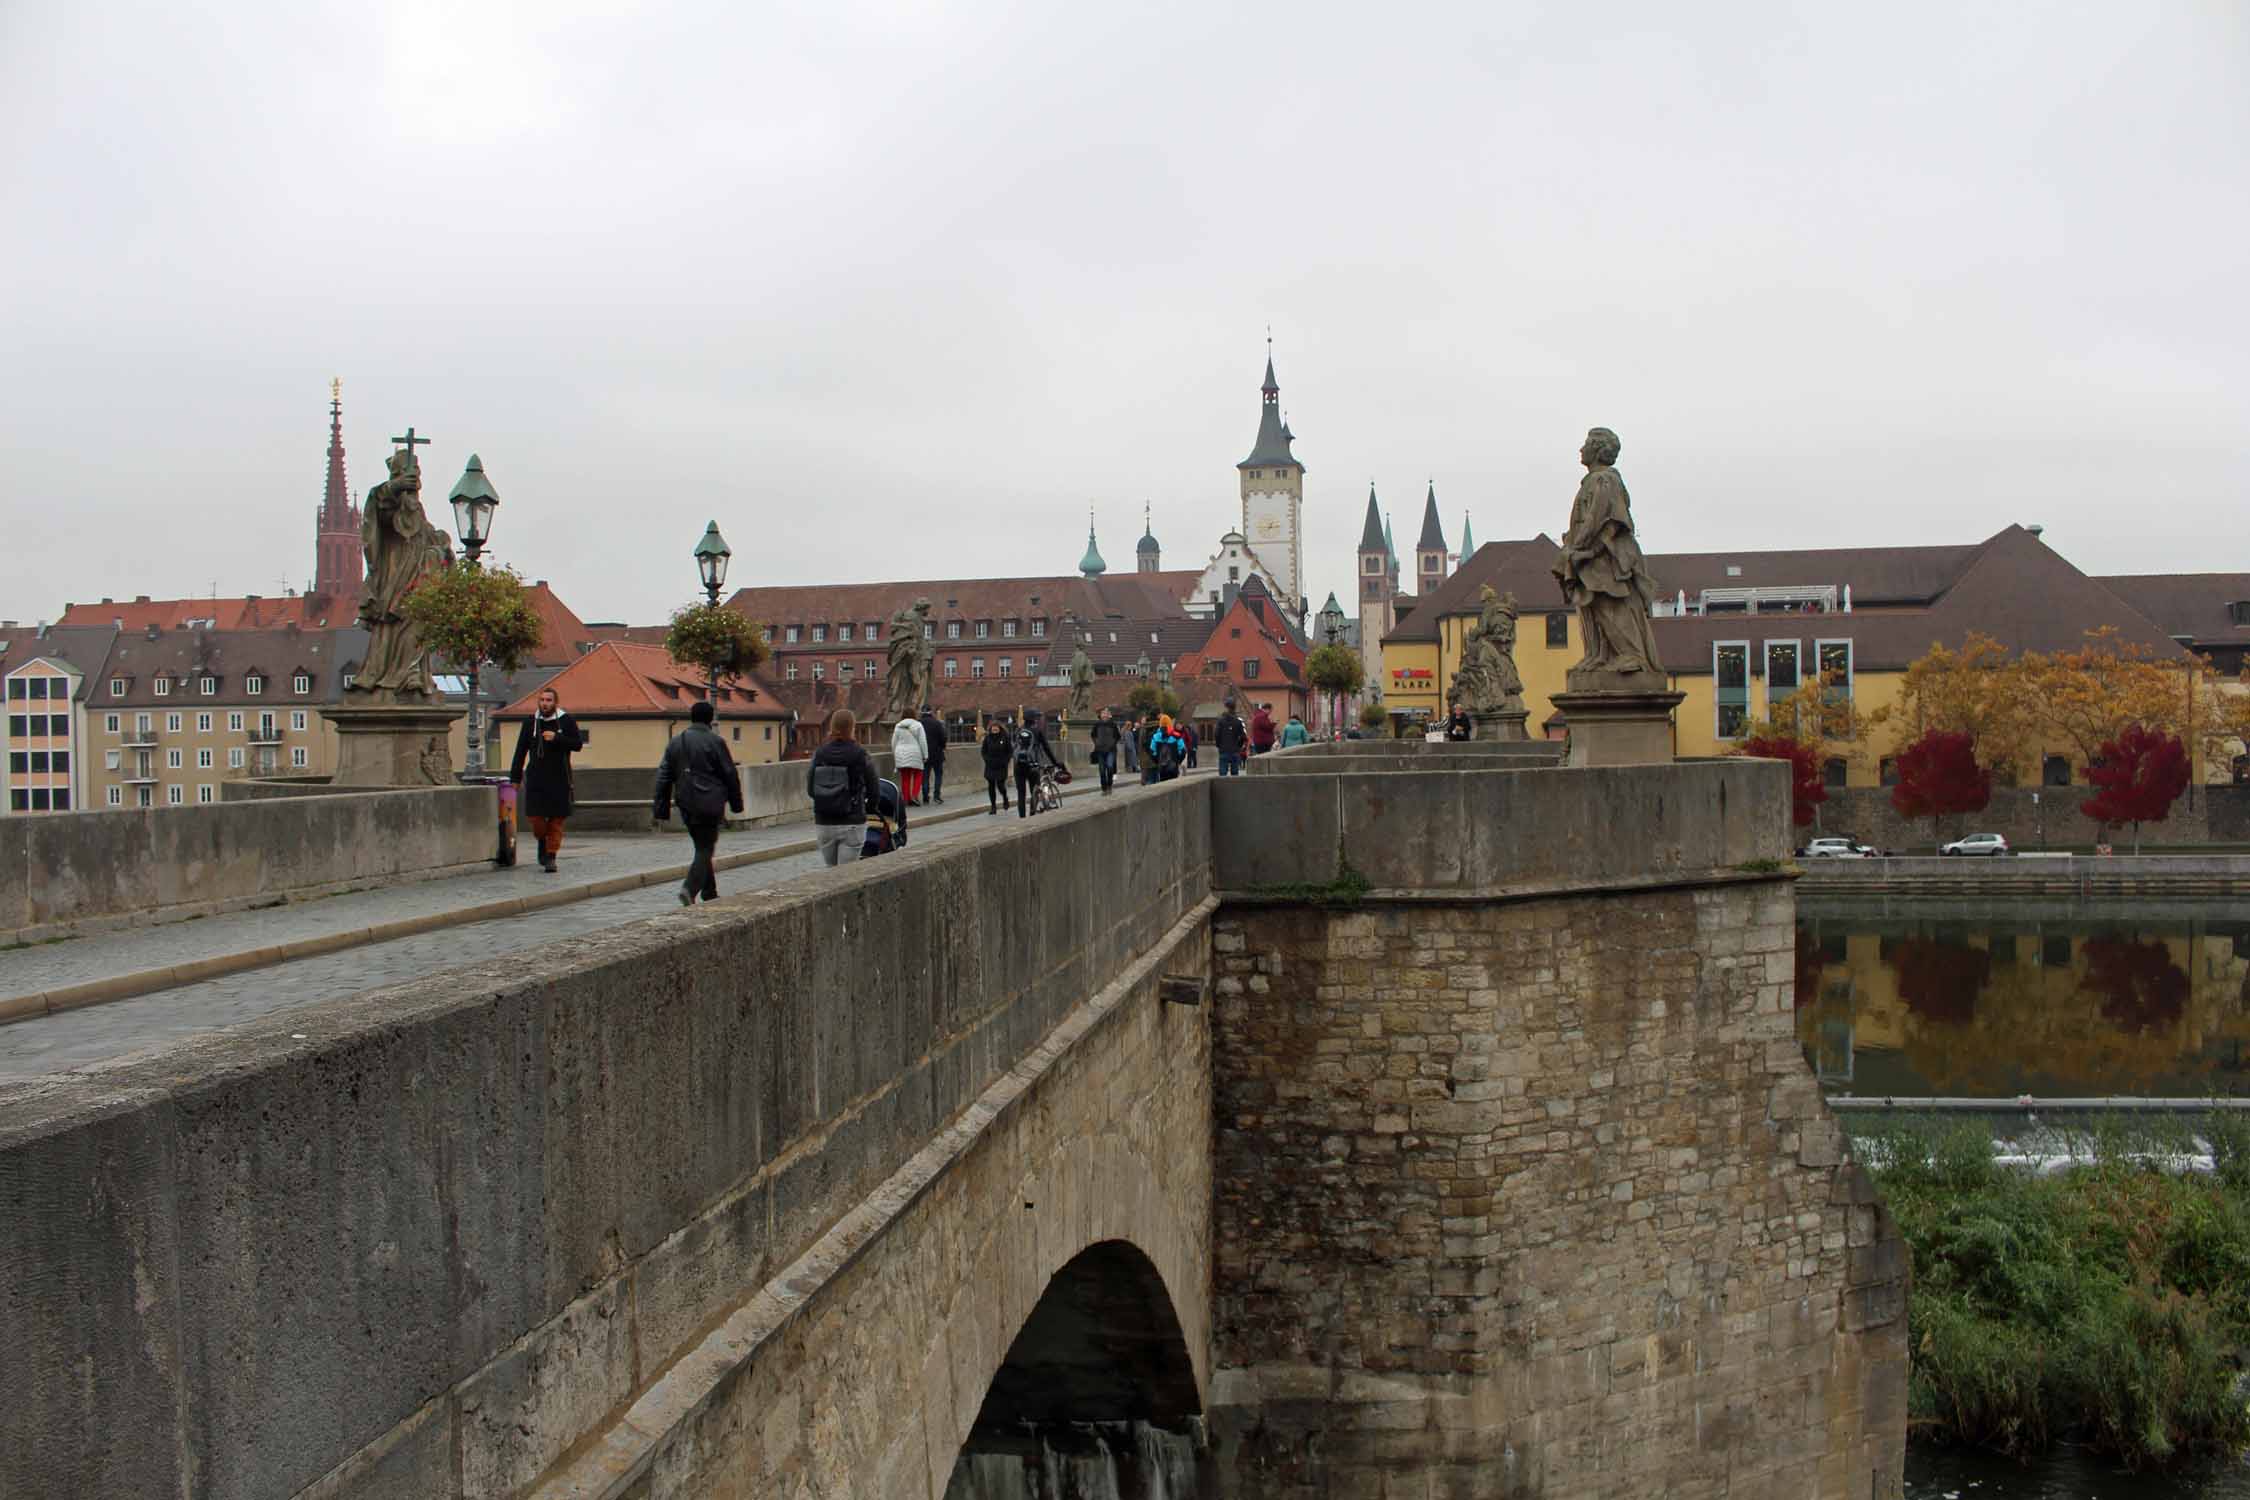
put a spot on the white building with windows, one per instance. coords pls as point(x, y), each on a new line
point(44, 673)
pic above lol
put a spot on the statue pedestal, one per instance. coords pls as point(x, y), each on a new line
point(1506, 724)
point(392, 744)
point(1618, 718)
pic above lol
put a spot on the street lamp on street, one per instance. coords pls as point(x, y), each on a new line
point(474, 500)
point(711, 556)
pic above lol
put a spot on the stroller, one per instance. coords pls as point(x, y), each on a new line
point(886, 821)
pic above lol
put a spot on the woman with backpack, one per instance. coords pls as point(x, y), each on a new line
point(1167, 750)
point(841, 783)
point(999, 751)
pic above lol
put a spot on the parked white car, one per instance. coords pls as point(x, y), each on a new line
point(1837, 848)
point(1978, 843)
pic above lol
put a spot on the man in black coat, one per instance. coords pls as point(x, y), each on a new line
point(998, 749)
point(698, 771)
point(543, 751)
point(1105, 740)
point(933, 764)
point(1232, 736)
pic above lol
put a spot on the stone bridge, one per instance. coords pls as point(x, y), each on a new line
point(1490, 1168)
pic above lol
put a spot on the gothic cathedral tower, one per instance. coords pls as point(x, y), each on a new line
point(339, 563)
point(1430, 556)
point(1378, 596)
point(1273, 500)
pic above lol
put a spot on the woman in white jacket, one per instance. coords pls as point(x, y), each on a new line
point(910, 751)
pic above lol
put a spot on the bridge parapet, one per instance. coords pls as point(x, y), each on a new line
point(420, 1241)
point(1488, 829)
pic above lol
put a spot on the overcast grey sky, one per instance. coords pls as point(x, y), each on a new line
point(900, 290)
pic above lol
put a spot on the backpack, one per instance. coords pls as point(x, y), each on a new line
point(836, 795)
point(1027, 749)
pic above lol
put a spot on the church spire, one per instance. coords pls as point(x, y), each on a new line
point(1468, 538)
point(1433, 533)
point(1371, 534)
point(339, 564)
point(339, 495)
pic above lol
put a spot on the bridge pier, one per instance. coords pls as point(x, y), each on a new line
point(1524, 1186)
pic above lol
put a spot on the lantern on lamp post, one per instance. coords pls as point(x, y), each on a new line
point(474, 500)
point(711, 555)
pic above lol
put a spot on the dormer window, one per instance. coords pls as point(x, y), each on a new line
point(163, 687)
point(301, 683)
point(254, 685)
point(117, 687)
point(210, 686)
point(984, 629)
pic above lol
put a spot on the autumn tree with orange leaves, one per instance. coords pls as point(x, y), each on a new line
point(1983, 691)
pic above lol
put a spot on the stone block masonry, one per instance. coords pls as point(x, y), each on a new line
point(1540, 1199)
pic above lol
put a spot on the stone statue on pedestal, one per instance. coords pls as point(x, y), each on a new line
point(1081, 707)
point(402, 548)
point(1617, 702)
point(909, 656)
point(1487, 681)
point(1605, 579)
point(392, 724)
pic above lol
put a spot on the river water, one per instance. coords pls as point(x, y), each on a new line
point(1913, 998)
point(1081, 1461)
point(1916, 998)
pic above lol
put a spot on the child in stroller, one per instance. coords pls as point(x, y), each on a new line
point(886, 821)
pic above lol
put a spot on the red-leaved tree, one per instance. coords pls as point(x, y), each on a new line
point(2139, 775)
point(1805, 789)
point(1938, 776)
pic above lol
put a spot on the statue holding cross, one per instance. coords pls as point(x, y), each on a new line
point(402, 548)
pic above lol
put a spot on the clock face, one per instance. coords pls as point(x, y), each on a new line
point(1269, 526)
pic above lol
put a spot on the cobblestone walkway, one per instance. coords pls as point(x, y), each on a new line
point(100, 1033)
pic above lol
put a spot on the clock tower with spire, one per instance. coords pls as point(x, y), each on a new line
point(1273, 499)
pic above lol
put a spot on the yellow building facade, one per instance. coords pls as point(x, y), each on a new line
point(1743, 631)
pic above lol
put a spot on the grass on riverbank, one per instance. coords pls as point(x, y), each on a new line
point(2109, 1303)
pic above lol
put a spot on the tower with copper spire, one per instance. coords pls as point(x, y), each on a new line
point(339, 566)
point(1273, 498)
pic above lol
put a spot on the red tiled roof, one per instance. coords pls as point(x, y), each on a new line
point(247, 612)
point(561, 630)
point(622, 680)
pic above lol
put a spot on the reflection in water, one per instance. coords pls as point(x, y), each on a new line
point(2065, 1474)
point(1905, 998)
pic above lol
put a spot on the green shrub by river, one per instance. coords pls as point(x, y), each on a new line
point(2109, 1304)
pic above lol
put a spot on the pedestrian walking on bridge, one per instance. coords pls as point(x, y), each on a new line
point(1232, 736)
point(699, 773)
point(933, 755)
point(841, 783)
point(999, 752)
point(910, 752)
point(1105, 741)
point(542, 768)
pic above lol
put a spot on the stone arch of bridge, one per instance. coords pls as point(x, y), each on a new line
point(1103, 1344)
point(1104, 1258)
